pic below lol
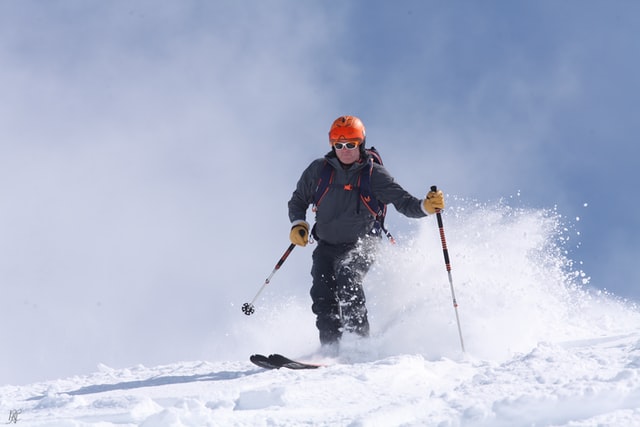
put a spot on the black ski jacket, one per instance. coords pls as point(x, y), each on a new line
point(342, 217)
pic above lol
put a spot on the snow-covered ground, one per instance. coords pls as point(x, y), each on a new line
point(543, 349)
point(592, 382)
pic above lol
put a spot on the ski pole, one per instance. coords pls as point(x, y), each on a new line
point(447, 264)
point(248, 307)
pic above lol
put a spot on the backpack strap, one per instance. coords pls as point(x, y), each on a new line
point(373, 152)
point(367, 197)
point(324, 183)
point(377, 208)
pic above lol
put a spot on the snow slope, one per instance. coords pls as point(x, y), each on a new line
point(581, 383)
point(543, 349)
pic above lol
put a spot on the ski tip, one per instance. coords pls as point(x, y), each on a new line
point(263, 361)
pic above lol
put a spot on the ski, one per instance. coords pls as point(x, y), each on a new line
point(263, 362)
point(277, 361)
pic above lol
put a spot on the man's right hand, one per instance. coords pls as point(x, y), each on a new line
point(299, 233)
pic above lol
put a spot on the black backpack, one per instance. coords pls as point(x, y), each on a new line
point(377, 208)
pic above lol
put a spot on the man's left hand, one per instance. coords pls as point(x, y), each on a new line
point(434, 202)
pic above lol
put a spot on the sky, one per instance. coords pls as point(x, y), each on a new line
point(148, 149)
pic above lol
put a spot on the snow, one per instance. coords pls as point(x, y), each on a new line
point(544, 348)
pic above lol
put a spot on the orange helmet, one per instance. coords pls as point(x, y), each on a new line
point(347, 128)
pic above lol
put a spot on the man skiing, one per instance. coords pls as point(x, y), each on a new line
point(346, 229)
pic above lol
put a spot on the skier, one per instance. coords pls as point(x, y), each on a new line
point(345, 230)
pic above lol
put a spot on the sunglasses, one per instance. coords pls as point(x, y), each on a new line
point(347, 145)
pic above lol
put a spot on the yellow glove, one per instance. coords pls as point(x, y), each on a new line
point(434, 202)
point(299, 233)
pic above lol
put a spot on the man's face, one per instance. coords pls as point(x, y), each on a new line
point(347, 152)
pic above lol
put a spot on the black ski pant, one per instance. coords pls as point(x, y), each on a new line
point(337, 294)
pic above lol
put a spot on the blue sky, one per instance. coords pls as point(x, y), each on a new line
point(149, 144)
